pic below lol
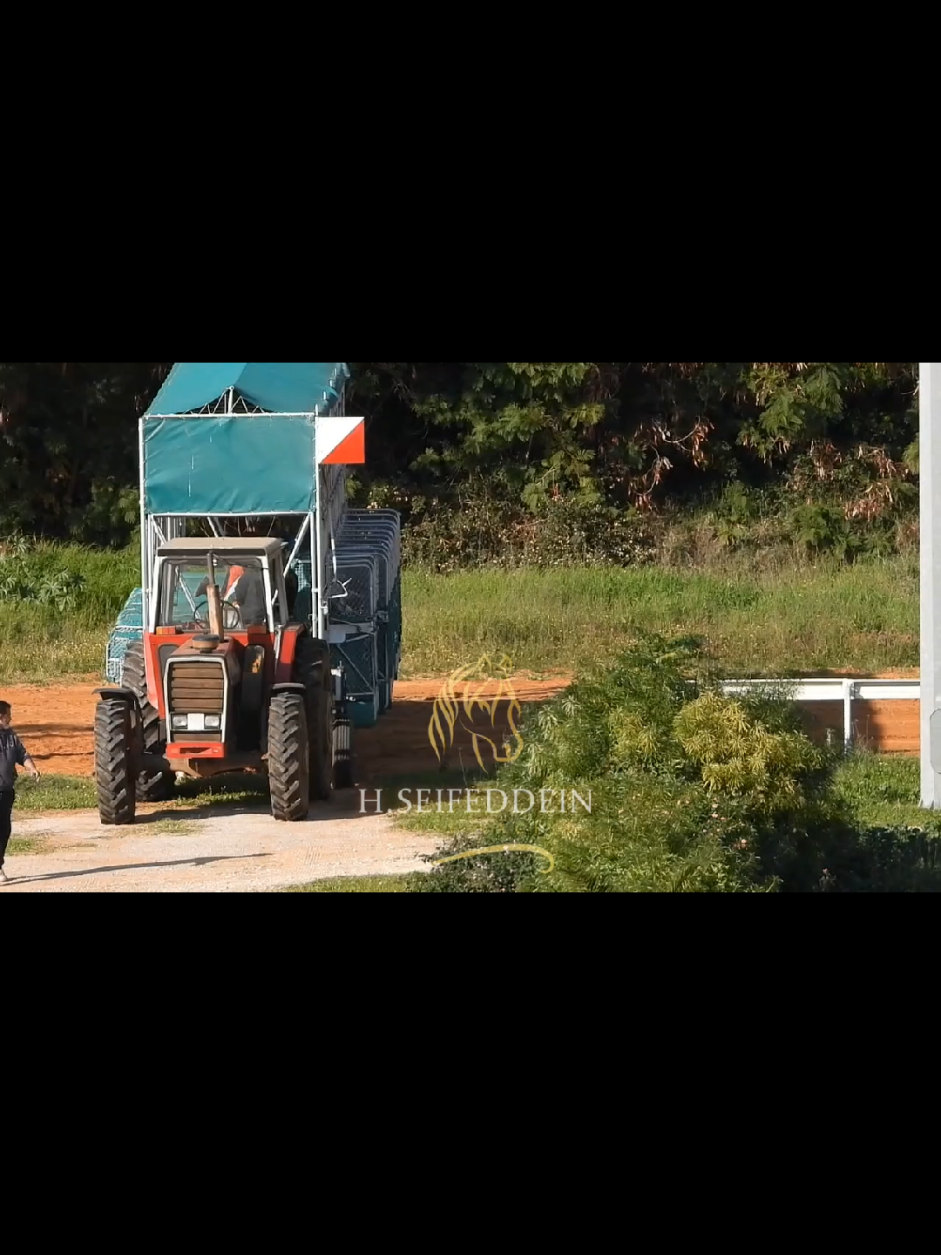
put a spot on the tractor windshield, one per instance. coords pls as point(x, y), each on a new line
point(240, 579)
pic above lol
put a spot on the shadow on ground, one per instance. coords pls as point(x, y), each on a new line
point(126, 867)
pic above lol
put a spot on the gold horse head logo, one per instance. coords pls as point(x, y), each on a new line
point(485, 686)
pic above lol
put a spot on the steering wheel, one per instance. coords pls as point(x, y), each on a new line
point(200, 623)
point(231, 615)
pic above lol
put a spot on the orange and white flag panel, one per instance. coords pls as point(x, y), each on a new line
point(341, 441)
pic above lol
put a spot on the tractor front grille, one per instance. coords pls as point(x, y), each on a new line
point(196, 688)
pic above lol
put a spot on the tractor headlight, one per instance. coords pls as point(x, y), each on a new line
point(178, 722)
point(213, 722)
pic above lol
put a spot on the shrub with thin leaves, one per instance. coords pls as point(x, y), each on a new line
point(687, 791)
point(740, 756)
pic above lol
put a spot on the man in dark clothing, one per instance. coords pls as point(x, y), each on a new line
point(247, 591)
point(244, 590)
point(12, 755)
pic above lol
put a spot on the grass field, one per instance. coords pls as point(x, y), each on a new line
point(790, 620)
point(796, 617)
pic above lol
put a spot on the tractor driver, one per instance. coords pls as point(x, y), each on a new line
point(244, 589)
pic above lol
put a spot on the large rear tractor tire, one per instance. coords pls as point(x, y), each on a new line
point(114, 761)
point(312, 669)
point(151, 786)
point(288, 757)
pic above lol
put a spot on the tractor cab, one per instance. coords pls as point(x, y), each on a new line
point(247, 572)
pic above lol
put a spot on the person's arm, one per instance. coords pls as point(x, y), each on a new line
point(24, 760)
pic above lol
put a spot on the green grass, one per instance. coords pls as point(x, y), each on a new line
point(353, 884)
point(173, 828)
point(35, 843)
point(797, 619)
point(882, 789)
point(70, 793)
point(790, 617)
point(446, 822)
point(429, 819)
point(235, 790)
point(55, 793)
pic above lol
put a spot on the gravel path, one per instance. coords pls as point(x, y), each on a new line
point(217, 850)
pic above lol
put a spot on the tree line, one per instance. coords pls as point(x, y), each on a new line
point(624, 436)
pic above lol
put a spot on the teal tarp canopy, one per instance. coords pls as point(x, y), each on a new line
point(278, 387)
point(249, 464)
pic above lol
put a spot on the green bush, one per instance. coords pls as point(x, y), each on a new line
point(683, 790)
point(480, 530)
point(846, 515)
point(823, 529)
point(22, 580)
point(91, 583)
point(884, 860)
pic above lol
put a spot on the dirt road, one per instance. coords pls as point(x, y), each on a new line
point(56, 722)
point(225, 851)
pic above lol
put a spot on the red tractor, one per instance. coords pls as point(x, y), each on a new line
point(222, 681)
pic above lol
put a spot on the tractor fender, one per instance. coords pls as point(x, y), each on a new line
point(288, 688)
point(129, 698)
point(119, 694)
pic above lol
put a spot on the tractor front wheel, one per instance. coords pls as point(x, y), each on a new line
point(115, 775)
point(151, 786)
point(288, 757)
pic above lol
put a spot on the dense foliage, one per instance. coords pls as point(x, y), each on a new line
point(592, 448)
point(688, 790)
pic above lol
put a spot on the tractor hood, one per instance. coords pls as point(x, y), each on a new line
point(229, 650)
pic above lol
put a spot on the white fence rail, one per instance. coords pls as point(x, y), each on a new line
point(833, 690)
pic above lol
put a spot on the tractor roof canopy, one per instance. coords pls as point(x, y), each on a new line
point(200, 546)
point(276, 387)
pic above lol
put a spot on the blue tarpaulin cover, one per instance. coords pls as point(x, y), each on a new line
point(247, 464)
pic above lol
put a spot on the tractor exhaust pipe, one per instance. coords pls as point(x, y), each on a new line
point(214, 598)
